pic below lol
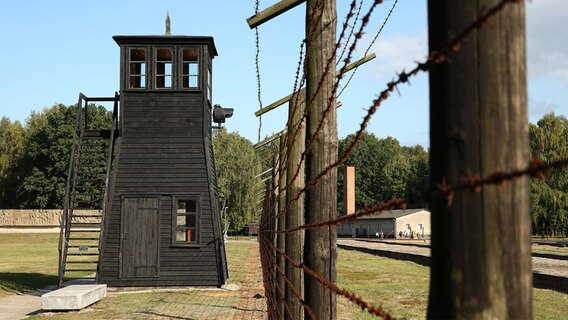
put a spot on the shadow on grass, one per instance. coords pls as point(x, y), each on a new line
point(15, 282)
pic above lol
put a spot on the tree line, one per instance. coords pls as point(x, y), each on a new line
point(34, 156)
point(34, 160)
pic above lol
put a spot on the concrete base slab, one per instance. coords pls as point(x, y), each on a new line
point(73, 297)
point(231, 287)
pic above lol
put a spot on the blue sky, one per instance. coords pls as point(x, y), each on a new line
point(52, 50)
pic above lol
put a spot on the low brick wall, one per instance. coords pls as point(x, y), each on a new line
point(36, 218)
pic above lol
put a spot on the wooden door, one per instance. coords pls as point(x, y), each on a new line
point(139, 238)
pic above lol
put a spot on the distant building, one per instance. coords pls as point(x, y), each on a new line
point(407, 223)
point(252, 229)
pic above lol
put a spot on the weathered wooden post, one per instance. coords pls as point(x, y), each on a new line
point(295, 214)
point(320, 249)
point(481, 258)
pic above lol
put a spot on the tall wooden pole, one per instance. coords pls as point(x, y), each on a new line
point(295, 214)
point(481, 258)
point(320, 243)
point(281, 237)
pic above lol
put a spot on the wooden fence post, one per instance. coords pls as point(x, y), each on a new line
point(481, 255)
point(320, 243)
point(295, 214)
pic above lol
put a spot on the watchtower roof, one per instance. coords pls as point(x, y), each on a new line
point(168, 40)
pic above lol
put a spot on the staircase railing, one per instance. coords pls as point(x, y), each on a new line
point(107, 198)
point(72, 172)
point(65, 224)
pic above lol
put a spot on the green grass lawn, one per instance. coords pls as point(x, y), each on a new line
point(401, 288)
point(559, 251)
point(30, 261)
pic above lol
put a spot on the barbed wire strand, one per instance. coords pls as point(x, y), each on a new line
point(342, 71)
point(359, 7)
point(257, 67)
point(291, 286)
point(536, 168)
point(377, 311)
point(435, 58)
point(279, 289)
point(370, 46)
point(473, 183)
point(329, 63)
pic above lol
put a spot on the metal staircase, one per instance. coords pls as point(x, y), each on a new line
point(90, 169)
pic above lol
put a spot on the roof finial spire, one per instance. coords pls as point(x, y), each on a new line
point(168, 28)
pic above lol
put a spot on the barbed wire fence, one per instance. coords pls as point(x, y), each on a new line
point(283, 293)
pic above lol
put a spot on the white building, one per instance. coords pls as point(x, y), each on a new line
point(403, 223)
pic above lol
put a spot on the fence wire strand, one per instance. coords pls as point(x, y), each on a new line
point(370, 46)
point(270, 214)
point(257, 67)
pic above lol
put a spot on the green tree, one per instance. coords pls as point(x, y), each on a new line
point(418, 182)
point(236, 166)
point(549, 196)
point(45, 161)
point(12, 138)
point(385, 170)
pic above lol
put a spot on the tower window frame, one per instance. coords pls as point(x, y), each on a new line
point(190, 68)
point(186, 221)
point(137, 68)
point(164, 68)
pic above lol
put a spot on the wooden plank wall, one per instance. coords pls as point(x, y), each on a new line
point(163, 153)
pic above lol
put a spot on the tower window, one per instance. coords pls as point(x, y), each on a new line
point(186, 221)
point(164, 70)
point(190, 68)
point(137, 68)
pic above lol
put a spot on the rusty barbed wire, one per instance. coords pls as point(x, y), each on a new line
point(342, 71)
point(329, 63)
point(374, 310)
point(434, 58)
point(359, 7)
point(378, 207)
point(282, 297)
point(267, 275)
point(370, 46)
point(307, 42)
point(291, 286)
point(257, 67)
point(536, 168)
point(454, 43)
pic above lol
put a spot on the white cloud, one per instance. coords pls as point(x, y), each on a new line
point(547, 39)
point(397, 52)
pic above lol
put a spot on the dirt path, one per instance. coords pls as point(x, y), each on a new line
point(242, 298)
point(252, 304)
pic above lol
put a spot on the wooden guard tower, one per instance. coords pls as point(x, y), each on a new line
point(160, 223)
